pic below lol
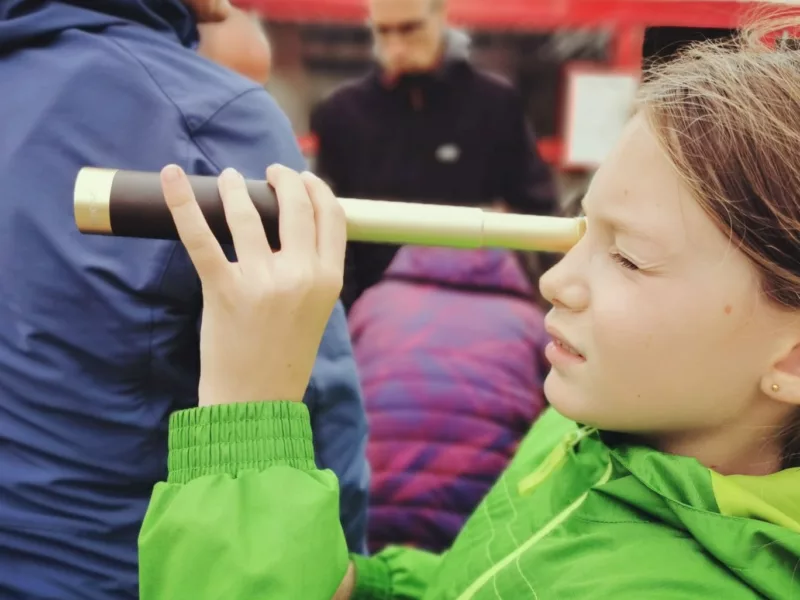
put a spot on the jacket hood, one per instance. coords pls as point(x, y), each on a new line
point(758, 536)
point(24, 22)
point(482, 269)
point(749, 524)
point(457, 46)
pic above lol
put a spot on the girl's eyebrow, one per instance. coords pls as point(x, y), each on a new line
point(624, 225)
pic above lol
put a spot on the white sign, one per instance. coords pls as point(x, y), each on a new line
point(599, 104)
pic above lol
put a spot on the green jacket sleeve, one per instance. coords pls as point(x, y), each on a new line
point(394, 574)
point(245, 515)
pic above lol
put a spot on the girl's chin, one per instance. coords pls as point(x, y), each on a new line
point(576, 404)
point(571, 401)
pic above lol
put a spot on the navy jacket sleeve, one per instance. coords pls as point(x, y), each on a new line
point(331, 398)
point(521, 176)
point(250, 133)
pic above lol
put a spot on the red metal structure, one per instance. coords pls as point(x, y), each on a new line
point(534, 14)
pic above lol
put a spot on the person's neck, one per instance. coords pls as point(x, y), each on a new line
point(726, 454)
point(391, 79)
point(749, 446)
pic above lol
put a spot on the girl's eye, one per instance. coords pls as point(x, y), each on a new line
point(624, 261)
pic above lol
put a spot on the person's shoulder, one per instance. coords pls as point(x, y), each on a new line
point(195, 86)
point(229, 119)
point(493, 85)
point(493, 80)
point(347, 97)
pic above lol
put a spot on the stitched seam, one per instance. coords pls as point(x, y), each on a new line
point(245, 441)
point(127, 51)
point(196, 131)
point(223, 107)
point(191, 132)
point(609, 522)
point(236, 420)
point(254, 464)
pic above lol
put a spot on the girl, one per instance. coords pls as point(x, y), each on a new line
point(676, 327)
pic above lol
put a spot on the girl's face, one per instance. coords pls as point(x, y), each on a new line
point(672, 331)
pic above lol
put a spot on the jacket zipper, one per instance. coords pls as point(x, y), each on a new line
point(478, 584)
point(417, 99)
point(553, 461)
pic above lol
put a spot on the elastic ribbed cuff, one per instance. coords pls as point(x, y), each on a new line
point(232, 438)
point(373, 579)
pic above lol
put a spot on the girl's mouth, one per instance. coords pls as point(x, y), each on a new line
point(567, 348)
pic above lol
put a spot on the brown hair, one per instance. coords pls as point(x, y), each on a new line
point(728, 116)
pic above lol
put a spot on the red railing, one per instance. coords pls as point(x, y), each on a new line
point(534, 15)
point(626, 18)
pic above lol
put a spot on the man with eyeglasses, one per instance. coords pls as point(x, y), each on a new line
point(427, 126)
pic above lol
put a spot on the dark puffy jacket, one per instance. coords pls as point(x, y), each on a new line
point(449, 347)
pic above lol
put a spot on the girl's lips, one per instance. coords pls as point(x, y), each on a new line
point(559, 351)
point(566, 347)
point(561, 355)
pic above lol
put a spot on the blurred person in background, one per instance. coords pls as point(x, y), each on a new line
point(450, 347)
point(425, 125)
point(99, 336)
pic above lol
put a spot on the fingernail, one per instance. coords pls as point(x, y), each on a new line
point(172, 172)
point(232, 175)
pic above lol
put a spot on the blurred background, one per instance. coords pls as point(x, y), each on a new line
point(569, 59)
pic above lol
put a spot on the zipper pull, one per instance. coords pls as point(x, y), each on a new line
point(553, 462)
point(550, 464)
point(417, 99)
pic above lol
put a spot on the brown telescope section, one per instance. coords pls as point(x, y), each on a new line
point(131, 204)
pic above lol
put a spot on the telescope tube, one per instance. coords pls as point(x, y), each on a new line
point(131, 204)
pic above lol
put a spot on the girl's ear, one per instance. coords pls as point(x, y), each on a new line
point(782, 382)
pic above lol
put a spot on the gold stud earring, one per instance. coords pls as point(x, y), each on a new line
point(775, 387)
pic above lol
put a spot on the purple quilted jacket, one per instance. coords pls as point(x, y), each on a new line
point(449, 347)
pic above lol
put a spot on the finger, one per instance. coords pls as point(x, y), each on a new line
point(247, 230)
point(330, 222)
point(296, 224)
point(203, 248)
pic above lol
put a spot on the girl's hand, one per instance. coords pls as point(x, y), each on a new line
point(263, 316)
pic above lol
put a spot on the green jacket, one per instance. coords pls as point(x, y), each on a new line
point(245, 515)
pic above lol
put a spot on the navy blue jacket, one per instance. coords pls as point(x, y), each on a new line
point(99, 336)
